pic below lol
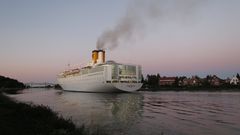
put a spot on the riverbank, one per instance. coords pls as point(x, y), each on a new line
point(193, 89)
point(28, 119)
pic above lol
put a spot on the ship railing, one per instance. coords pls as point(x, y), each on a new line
point(127, 77)
point(122, 81)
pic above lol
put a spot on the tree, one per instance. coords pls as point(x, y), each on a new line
point(6, 82)
point(158, 79)
point(207, 81)
point(238, 76)
point(153, 81)
point(142, 81)
point(158, 76)
point(176, 81)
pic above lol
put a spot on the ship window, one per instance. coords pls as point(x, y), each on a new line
point(84, 71)
point(127, 70)
point(140, 73)
point(97, 69)
point(115, 81)
point(114, 72)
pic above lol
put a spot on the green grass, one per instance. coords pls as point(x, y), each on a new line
point(24, 119)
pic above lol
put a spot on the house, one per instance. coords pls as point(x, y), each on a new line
point(167, 81)
point(183, 81)
point(215, 81)
point(195, 81)
point(234, 81)
point(227, 81)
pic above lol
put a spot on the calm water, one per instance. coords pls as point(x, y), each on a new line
point(146, 113)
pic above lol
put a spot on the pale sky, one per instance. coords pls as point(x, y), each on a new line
point(38, 38)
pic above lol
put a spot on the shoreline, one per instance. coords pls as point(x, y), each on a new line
point(193, 89)
point(29, 119)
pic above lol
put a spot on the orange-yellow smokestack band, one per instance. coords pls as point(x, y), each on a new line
point(104, 56)
point(94, 56)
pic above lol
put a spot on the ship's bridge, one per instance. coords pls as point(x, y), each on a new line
point(124, 73)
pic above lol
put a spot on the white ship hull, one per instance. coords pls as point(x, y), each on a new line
point(99, 86)
point(102, 76)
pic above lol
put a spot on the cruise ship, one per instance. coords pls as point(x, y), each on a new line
point(102, 76)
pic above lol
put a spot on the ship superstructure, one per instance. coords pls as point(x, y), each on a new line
point(101, 76)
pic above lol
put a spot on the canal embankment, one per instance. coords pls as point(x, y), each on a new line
point(29, 119)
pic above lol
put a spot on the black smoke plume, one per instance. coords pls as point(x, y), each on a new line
point(139, 13)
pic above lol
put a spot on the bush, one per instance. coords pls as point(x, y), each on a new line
point(25, 119)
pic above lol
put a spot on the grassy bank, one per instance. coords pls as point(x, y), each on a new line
point(24, 119)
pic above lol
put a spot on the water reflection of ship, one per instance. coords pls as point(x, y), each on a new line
point(127, 108)
point(115, 110)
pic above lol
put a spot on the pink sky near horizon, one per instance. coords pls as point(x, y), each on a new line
point(39, 39)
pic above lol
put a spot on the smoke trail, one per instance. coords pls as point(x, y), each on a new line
point(139, 13)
